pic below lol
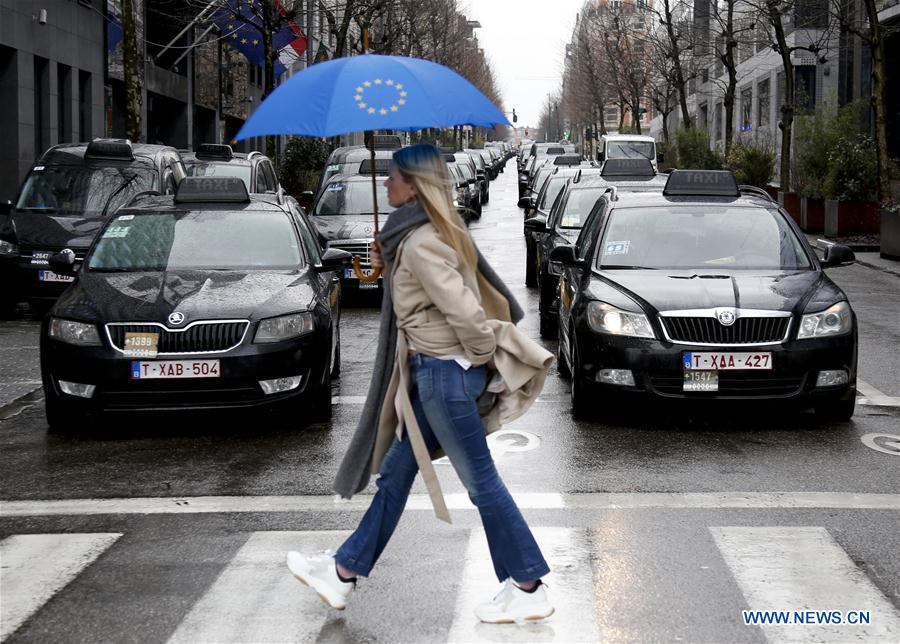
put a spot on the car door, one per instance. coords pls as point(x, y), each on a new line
point(572, 278)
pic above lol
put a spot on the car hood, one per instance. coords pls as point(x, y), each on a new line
point(199, 295)
point(50, 231)
point(668, 290)
point(333, 227)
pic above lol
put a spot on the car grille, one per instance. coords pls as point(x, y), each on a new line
point(358, 247)
point(203, 337)
point(745, 330)
point(732, 384)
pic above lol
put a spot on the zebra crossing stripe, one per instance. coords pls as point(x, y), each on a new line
point(569, 587)
point(800, 569)
point(37, 566)
point(256, 599)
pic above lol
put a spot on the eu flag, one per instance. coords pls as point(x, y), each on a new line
point(237, 25)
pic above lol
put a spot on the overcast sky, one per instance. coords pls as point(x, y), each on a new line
point(525, 40)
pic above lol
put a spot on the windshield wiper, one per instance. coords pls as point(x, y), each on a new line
point(116, 192)
point(605, 267)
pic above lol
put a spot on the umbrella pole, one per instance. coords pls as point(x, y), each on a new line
point(356, 265)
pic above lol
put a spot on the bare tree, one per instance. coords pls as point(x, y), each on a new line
point(733, 27)
point(133, 64)
point(673, 45)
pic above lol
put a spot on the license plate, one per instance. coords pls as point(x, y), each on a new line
point(701, 380)
point(50, 276)
point(40, 258)
point(175, 369)
point(350, 274)
point(727, 361)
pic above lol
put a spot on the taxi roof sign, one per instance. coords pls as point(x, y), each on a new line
point(567, 159)
point(214, 151)
point(709, 183)
point(212, 190)
point(382, 166)
point(627, 168)
point(119, 149)
point(387, 141)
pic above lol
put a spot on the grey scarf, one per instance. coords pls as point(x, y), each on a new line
point(354, 472)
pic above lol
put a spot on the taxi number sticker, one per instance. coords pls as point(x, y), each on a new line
point(116, 232)
point(125, 218)
point(617, 248)
point(141, 345)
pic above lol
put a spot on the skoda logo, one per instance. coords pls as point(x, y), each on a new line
point(726, 317)
point(176, 318)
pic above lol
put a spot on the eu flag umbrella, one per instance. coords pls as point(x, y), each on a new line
point(371, 92)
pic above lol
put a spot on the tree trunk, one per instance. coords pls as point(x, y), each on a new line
point(269, 87)
point(132, 62)
point(680, 84)
point(731, 68)
point(636, 102)
point(787, 106)
point(879, 101)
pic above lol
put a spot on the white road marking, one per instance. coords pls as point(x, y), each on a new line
point(37, 566)
point(568, 553)
point(256, 599)
point(455, 501)
point(800, 569)
point(869, 395)
point(885, 443)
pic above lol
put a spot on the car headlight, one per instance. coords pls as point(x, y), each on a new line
point(78, 333)
point(8, 248)
point(605, 318)
point(835, 320)
point(284, 327)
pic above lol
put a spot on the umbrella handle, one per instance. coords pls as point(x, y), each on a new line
point(358, 270)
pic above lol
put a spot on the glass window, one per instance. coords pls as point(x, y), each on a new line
point(241, 172)
point(77, 190)
point(700, 237)
point(762, 104)
point(552, 189)
point(747, 109)
point(588, 232)
point(351, 198)
point(579, 206)
point(201, 240)
point(629, 150)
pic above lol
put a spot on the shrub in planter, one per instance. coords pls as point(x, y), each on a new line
point(852, 170)
point(751, 164)
point(302, 163)
point(694, 152)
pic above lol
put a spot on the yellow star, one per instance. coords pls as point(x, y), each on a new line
point(358, 97)
point(382, 111)
point(398, 86)
point(243, 41)
point(401, 101)
point(234, 36)
point(378, 81)
point(367, 84)
point(389, 82)
point(371, 110)
point(255, 41)
point(362, 106)
point(394, 108)
point(360, 90)
point(230, 27)
point(402, 93)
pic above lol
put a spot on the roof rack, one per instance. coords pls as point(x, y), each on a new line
point(756, 191)
point(250, 154)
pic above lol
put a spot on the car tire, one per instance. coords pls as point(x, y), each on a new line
point(548, 322)
point(487, 197)
point(548, 325)
point(582, 402)
point(320, 399)
point(839, 411)
point(336, 361)
point(62, 418)
point(530, 272)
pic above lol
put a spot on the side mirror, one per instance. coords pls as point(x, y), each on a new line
point(525, 202)
point(63, 262)
point(536, 225)
point(838, 254)
point(565, 255)
point(334, 259)
point(306, 199)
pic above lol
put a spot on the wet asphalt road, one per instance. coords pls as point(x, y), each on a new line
point(642, 520)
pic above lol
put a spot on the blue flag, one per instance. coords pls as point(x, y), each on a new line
point(235, 24)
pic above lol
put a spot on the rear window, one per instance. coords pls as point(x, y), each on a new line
point(352, 198)
point(236, 170)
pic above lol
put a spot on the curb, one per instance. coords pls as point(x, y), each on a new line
point(20, 404)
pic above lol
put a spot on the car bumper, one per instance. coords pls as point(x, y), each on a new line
point(658, 371)
point(237, 387)
point(22, 281)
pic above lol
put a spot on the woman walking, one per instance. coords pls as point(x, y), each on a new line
point(451, 366)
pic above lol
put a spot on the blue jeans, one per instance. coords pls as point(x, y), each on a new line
point(443, 399)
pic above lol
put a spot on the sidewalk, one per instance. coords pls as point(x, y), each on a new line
point(20, 371)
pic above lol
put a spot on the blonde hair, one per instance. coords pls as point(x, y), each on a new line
point(424, 167)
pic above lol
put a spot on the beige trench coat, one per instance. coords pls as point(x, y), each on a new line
point(522, 363)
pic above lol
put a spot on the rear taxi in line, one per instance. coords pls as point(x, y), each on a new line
point(209, 300)
point(704, 292)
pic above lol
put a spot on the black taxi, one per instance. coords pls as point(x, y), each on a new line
point(69, 194)
point(707, 291)
point(254, 168)
point(212, 299)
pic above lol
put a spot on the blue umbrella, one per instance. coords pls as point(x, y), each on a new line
point(371, 92)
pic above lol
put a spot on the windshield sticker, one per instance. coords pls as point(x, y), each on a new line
point(336, 186)
point(38, 168)
point(125, 218)
point(116, 232)
point(617, 248)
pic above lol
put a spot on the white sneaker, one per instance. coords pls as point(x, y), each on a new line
point(514, 605)
point(318, 572)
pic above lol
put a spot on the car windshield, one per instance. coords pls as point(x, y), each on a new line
point(700, 237)
point(579, 206)
point(203, 169)
point(554, 186)
point(466, 171)
point(629, 150)
point(200, 240)
point(83, 190)
point(352, 198)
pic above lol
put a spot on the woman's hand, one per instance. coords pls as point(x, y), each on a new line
point(377, 261)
